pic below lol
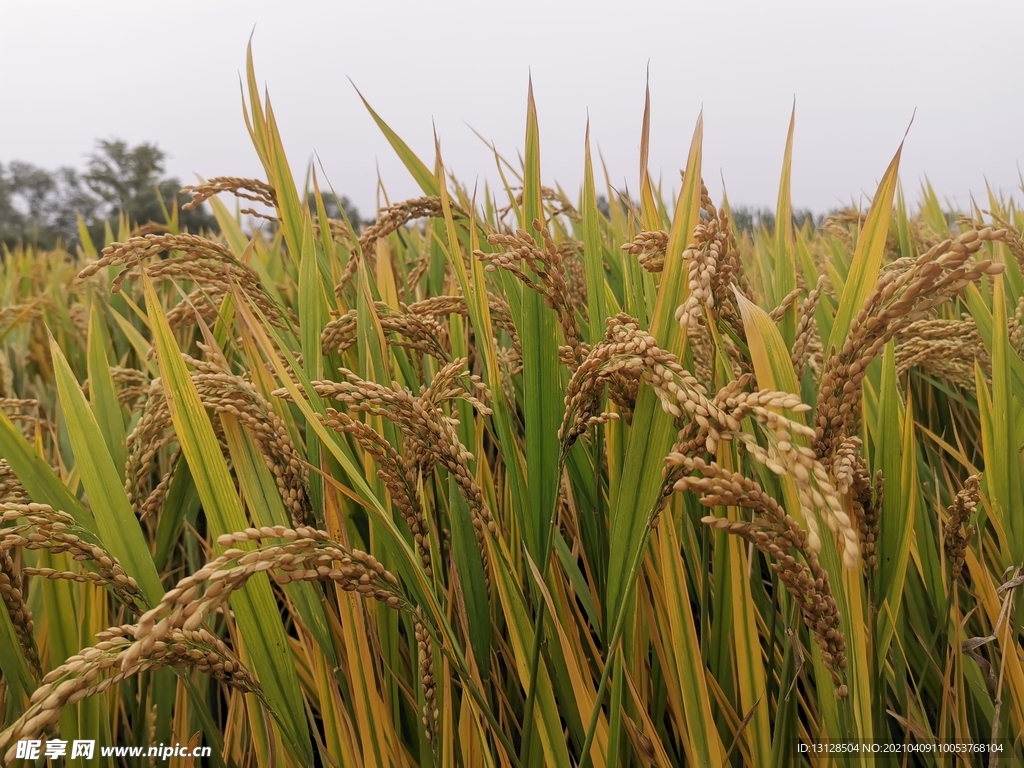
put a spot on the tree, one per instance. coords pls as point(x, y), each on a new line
point(128, 179)
point(333, 211)
point(746, 219)
point(72, 199)
point(11, 219)
point(40, 207)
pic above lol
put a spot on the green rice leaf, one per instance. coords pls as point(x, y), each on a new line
point(867, 260)
point(116, 524)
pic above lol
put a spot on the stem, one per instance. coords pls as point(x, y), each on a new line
point(538, 632)
point(456, 657)
point(620, 620)
point(531, 696)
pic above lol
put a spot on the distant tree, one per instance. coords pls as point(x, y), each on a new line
point(71, 200)
point(802, 216)
point(743, 219)
point(35, 187)
point(41, 207)
point(625, 205)
point(333, 211)
point(129, 179)
point(38, 207)
point(747, 219)
point(9, 216)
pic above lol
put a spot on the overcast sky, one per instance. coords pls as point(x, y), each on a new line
point(168, 72)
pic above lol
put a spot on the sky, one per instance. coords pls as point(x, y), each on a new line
point(72, 72)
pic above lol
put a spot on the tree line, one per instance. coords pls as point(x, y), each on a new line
point(744, 218)
point(40, 207)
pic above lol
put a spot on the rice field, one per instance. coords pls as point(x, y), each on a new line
point(505, 480)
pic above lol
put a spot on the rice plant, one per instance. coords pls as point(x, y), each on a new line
point(504, 480)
